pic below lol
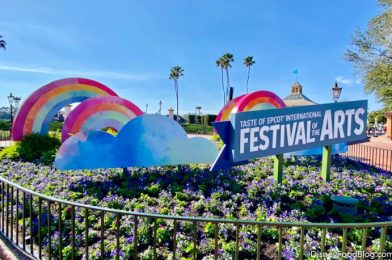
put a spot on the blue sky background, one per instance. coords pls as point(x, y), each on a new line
point(131, 45)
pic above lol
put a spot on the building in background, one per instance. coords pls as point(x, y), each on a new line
point(297, 98)
point(388, 115)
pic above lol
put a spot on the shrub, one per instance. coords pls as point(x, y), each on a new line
point(10, 152)
point(37, 147)
point(5, 124)
point(197, 129)
point(56, 126)
point(208, 119)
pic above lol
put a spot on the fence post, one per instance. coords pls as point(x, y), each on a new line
point(326, 162)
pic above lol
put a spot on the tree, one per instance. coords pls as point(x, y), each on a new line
point(175, 73)
point(371, 53)
point(219, 63)
point(227, 59)
point(380, 117)
point(248, 62)
point(2, 42)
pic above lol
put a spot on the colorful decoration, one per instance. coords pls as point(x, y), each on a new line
point(36, 113)
point(224, 114)
point(261, 133)
point(147, 140)
point(98, 113)
point(258, 100)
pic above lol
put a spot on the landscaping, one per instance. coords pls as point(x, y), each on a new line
point(246, 192)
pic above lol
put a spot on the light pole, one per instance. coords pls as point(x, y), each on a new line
point(14, 104)
point(197, 114)
point(160, 107)
point(336, 91)
point(327, 150)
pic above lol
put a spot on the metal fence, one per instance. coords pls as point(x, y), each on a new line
point(28, 218)
point(373, 156)
point(5, 134)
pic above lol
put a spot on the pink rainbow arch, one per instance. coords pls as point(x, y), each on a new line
point(38, 110)
point(98, 113)
point(258, 100)
point(225, 112)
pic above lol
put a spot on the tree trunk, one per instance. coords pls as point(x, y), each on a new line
point(247, 80)
point(223, 88)
point(177, 99)
point(227, 85)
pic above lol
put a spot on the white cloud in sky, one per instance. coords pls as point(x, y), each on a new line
point(76, 73)
point(348, 81)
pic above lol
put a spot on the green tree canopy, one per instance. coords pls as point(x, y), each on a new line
point(371, 53)
point(175, 73)
point(248, 62)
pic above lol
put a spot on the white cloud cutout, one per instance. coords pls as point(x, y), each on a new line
point(347, 81)
point(75, 73)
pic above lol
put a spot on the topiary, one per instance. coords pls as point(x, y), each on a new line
point(35, 147)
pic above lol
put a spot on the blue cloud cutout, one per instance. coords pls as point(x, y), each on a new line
point(86, 150)
point(148, 140)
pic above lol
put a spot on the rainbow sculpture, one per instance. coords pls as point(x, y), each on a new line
point(224, 114)
point(258, 100)
point(36, 113)
point(98, 113)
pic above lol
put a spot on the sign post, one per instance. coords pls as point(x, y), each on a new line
point(326, 162)
point(278, 168)
point(261, 133)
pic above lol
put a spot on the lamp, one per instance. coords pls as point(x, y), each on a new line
point(336, 91)
point(10, 99)
point(14, 104)
point(160, 106)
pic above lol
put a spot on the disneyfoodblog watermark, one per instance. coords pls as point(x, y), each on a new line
point(351, 255)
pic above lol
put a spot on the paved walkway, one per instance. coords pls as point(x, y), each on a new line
point(380, 142)
point(9, 252)
point(377, 152)
point(6, 143)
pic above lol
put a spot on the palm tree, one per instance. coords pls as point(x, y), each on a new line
point(2, 42)
point(227, 59)
point(175, 73)
point(248, 62)
point(219, 63)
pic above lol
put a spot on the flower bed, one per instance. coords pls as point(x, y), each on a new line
point(247, 192)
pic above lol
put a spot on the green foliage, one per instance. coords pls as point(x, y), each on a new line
point(163, 235)
point(111, 131)
point(36, 147)
point(198, 129)
point(217, 140)
point(371, 54)
point(56, 126)
point(208, 119)
point(10, 152)
point(200, 119)
point(154, 190)
point(191, 118)
point(4, 124)
point(380, 117)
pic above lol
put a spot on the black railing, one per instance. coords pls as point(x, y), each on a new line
point(373, 156)
point(28, 219)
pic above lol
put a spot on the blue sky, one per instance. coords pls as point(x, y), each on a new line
point(131, 45)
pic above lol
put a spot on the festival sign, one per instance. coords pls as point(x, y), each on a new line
point(254, 134)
